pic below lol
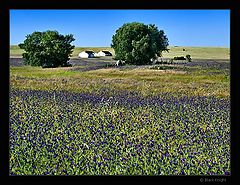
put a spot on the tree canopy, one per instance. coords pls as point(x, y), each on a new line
point(47, 49)
point(137, 43)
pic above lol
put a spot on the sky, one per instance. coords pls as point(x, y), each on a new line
point(95, 28)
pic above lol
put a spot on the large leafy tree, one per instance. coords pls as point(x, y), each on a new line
point(137, 43)
point(47, 49)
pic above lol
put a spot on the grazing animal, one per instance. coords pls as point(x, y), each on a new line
point(120, 62)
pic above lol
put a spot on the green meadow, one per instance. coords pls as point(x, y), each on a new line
point(208, 82)
point(95, 118)
point(184, 80)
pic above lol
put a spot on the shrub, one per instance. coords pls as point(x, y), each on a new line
point(179, 58)
point(188, 57)
point(162, 67)
point(47, 49)
point(137, 43)
point(170, 61)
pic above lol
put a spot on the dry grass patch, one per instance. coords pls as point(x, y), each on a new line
point(133, 72)
point(157, 72)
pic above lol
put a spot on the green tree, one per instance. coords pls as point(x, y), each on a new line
point(47, 49)
point(137, 43)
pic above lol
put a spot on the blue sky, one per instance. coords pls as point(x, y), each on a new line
point(96, 27)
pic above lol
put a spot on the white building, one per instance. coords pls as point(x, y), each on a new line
point(104, 53)
point(86, 54)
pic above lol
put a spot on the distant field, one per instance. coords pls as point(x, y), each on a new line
point(199, 52)
point(15, 51)
point(195, 52)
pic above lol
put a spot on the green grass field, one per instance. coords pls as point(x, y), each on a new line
point(15, 51)
point(199, 52)
point(129, 120)
point(145, 81)
point(195, 52)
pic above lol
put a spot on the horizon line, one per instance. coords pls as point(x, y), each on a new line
point(168, 46)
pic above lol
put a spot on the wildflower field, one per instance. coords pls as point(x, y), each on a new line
point(152, 120)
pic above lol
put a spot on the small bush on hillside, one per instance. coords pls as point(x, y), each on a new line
point(170, 61)
point(47, 49)
point(188, 57)
point(179, 58)
point(162, 67)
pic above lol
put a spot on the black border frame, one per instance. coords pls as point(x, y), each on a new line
point(130, 4)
